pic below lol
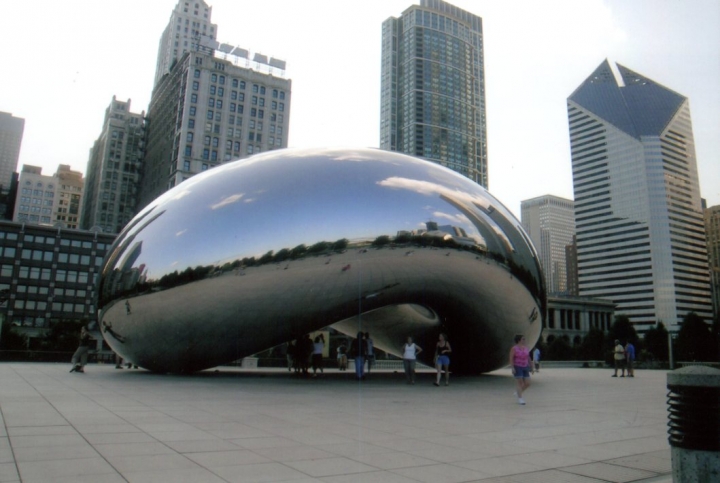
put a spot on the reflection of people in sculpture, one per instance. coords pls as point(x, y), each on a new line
point(317, 354)
point(107, 327)
point(79, 358)
point(442, 359)
point(410, 351)
point(128, 311)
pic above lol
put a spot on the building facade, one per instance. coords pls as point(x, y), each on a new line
point(214, 105)
point(113, 170)
point(640, 232)
point(48, 274)
point(712, 230)
point(191, 20)
point(11, 134)
point(550, 222)
point(49, 200)
point(573, 317)
point(433, 87)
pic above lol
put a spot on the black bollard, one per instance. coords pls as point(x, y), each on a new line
point(694, 423)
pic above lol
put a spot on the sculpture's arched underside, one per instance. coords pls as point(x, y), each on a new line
point(260, 251)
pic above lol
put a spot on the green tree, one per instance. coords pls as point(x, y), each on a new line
point(10, 340)
point(591, 347)
point(656, 342)
point(694, 340)
point(381, 241)
point(340, 244)
point(559, 350)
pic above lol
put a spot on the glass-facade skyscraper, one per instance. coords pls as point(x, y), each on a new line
point(638, 213)
point(433, 87)
point(550, 222)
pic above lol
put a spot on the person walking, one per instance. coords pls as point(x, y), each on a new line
point(442, 359)
point(520, 364)
point(342, 356)
point(370, 352)
point(629, 358)
point(79, 358)
point(619, 358)
point(358, 352)
point(536, 359)
point(317, 354)
point(410, 352)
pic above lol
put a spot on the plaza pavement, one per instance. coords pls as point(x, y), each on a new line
point(245, 425)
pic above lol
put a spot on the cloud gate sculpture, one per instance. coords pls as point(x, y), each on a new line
point(257, 252)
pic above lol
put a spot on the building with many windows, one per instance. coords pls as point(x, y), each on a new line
point(48, 274)
point(11, 134)
point(639, 222)
point(216, 103)
point(113, 170)
point(190, 21)
point(550, 222)
point(433, 87)
point(49, 200)
point(712, 230)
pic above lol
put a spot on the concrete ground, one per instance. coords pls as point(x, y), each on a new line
point(245, 425)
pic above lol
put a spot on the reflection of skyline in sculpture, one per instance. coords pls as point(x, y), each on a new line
point(331, 209)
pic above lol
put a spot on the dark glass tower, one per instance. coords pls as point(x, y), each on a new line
point(433, 88)
point(638, 213)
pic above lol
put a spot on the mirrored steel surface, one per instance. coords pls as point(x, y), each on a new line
point(260, 251)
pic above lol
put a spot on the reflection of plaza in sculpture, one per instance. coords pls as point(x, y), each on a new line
point(260, 251)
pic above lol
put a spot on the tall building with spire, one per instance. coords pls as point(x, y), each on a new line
point(638, 213)
point(211, 104)
point(550, 222)
point(113, 169)
point(433, 87)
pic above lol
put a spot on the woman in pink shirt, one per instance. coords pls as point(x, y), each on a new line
point(520, 364)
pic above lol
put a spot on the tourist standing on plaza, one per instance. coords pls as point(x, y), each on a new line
point(290, 354)
point(342, 356)
point(629, 358)
point(370, 351)
point(304, 351)
point(536, 359)
point(317, 354)
point(619, 358)
point(520, 364)
point(410, 351)
point(79, 358)
point(358, 352)
point(442, 359)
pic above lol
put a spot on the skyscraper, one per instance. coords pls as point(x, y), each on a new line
point(216, 103)
point(11, 134)
point(550, 222)
point(113, 169)
point(640, 234)
point(712, 229)
point(433, 87)
point(190, 21)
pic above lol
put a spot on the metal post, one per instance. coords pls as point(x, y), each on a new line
point(694, 423)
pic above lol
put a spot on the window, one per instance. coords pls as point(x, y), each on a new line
point(188, 150)
point(210, 114)
point(191, 123)
point(221, 91)
point(189, 137)
point(255, 88)
point(235, 83)
point(218, 104)
point(211, 102)
point(275, 93)
point(193, 97)
point(213, 156)
point(242, 85)
point(281, 106)
point(195, 85)
point(192, 110)
point(214, 77)
point(282, 95)
point(262, 90)
point(204, 167)
point(197, 73)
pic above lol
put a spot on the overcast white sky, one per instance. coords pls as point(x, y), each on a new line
point(63, 62)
